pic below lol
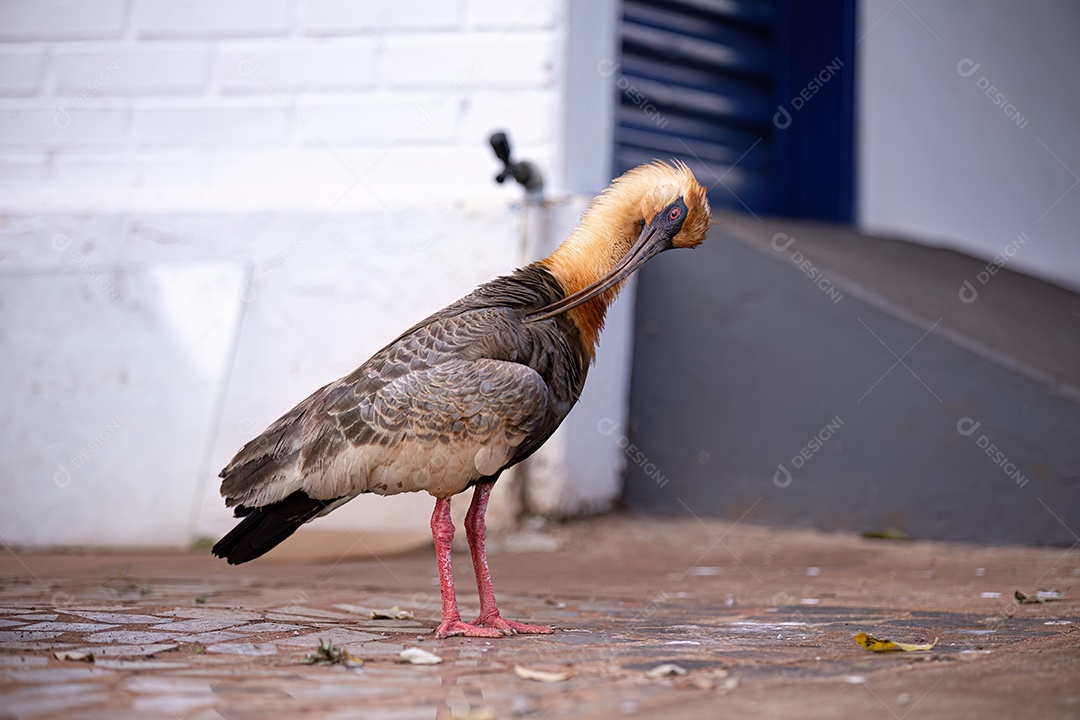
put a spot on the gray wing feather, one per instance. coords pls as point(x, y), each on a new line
point(442, 406)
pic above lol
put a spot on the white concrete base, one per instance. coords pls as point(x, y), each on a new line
point(141, 352)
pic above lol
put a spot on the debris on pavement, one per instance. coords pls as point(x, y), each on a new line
point(1040, 596)
point(540, 675)
point(76, 655)
point(416, 656)
point(887, 533)
point(872, 644)
point(394, 613)
point(664, 670)
point(244, 647)
point(329, 654)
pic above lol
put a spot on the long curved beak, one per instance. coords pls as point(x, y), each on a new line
point(650, 242)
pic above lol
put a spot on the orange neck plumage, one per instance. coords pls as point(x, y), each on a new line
point(578, 263)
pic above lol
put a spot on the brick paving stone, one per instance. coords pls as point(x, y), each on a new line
point(23, 660)
point(65, 627)
point(197, 625)
point(131, 637)
point(269, 627)
point(309, 612)
point(15, 706)
point(56, 675)
point(285, 617)
point(249, 649)
point(214, 613)
point(391, 627)
point(214, 636)
point(337, 636)
point(11, 636)
point(126, 650)
point(118, 618)
point(377, 648)
point(168, 684)
point(140, 665)
point(179, 706)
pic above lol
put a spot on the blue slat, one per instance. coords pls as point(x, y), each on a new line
point(695, 82)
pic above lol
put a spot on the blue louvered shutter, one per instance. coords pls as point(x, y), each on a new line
point(695, 81)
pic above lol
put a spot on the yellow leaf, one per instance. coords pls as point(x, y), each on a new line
point(874, 645)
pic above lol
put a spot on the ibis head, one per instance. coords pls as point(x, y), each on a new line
point(646, 211)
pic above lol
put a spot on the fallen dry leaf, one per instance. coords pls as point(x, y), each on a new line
point(394, 613)
point(78, 655)
point(1041, 596)
point(540, 675)
point(872, 644)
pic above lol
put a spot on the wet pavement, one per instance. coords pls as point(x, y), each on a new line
point(758, 622)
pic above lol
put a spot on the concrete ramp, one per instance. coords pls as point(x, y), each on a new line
point(804, 375)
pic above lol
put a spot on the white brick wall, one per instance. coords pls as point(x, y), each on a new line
point(303, 64)
point(145, 93)
point(211, 207)
point(21, 71)
point(62, 19)
point(212, 18)
point(105, 69)
point(333, 17)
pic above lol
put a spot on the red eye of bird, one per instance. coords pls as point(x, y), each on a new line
point(675, 213)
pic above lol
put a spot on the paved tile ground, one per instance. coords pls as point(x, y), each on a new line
point(761, 619)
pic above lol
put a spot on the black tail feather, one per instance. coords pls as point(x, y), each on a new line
point(264, 528)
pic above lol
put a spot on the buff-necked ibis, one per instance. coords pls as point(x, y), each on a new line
point(464, 394)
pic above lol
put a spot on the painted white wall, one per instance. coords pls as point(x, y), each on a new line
point(211, 209)
point(942, 161)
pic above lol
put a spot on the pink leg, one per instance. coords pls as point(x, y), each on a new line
point(476, 532)
point(442, 532)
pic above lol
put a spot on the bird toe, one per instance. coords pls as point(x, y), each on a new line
point(451, 628)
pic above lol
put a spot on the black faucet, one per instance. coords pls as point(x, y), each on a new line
point(525, 172)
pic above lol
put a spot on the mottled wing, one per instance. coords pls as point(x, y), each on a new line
point(435, 429)
point(458, 397)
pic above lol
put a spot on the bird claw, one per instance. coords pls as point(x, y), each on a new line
point(509, 627)
point(489, 628)
point(450, 628)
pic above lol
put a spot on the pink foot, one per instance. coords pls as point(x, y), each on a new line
point(509, 627)
point(449, 628)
